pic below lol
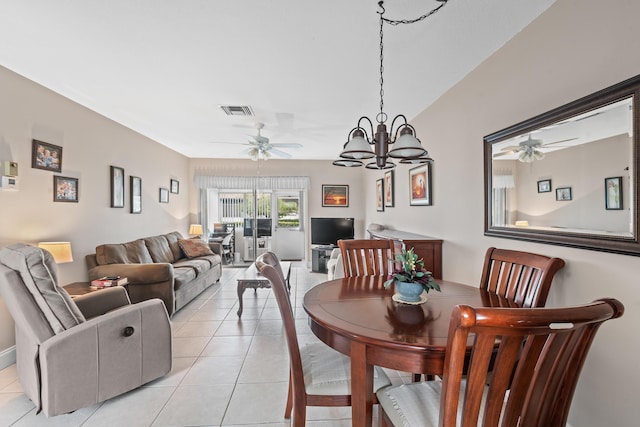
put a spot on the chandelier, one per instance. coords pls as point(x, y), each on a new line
point(398, 142)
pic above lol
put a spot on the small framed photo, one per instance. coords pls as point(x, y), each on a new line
point(164, 195)
point(388, 189)
point(420, 185)
point(613, 193)
point(380, 195)
point(136, 194)
point(175, 186)
point(544, 186)
point(117, 187)
point(335, 195)
point(65, 189)
point(46, 156)
point(563, 194)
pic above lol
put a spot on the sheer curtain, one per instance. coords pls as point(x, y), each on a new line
point(502, 182)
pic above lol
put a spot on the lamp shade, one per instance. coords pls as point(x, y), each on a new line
point(61, 251)
point(357, 148)
point(407, 146)
point(195, 229)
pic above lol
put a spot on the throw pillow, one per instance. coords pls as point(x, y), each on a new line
point(193, 248)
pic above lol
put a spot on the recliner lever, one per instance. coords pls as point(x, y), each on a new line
point(128, 331)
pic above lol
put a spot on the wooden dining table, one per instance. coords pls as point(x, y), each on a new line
point(358, 317)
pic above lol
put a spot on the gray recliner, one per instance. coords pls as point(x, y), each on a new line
point(73, 353)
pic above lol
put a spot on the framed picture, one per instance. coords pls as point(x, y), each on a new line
point(117, 187)
point(380, 195)
point(563, 194)
point(136, 194)
point(388, 189)
point(544, 186)
point(65, 189)
point(46, 156)
point(164, 195)
point(420, 185)
point(613, 193)
point(335, 195)
point(175, 186)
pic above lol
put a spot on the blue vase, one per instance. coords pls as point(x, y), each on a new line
point(409, 292)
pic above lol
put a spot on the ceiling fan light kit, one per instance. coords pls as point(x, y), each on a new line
point(405, 145)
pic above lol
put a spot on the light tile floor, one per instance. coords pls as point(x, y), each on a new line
point(226, 371)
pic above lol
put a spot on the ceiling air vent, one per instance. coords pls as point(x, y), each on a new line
point(237, 110)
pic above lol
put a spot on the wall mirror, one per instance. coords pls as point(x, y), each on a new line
point(569, 176)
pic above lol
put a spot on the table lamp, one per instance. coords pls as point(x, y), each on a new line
point(61, 251)
point(195, 230)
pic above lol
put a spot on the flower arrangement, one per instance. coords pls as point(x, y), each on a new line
point(412, 271)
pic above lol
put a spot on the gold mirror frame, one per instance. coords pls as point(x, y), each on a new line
point(601, 240)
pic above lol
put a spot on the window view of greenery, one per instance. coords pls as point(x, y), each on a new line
point(288, 212)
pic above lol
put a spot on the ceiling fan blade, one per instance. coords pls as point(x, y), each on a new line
point(279, 153)
point(512, 148)
point(558, 142)
point(504, 153)
point(286, 144)
point(229, 143)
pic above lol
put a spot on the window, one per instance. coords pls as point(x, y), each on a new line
point(288, 211)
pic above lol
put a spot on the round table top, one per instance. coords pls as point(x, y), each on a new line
point(361, 309)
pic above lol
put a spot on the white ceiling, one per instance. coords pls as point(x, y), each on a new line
point(309, 69)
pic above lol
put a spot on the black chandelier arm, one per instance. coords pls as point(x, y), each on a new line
point(394, 133)
point(366, 135)
point(410, 21)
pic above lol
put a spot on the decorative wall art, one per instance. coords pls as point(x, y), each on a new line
point(420, 185)
point(136, 194)
point(613, 193)
point(65, 189)
point(164, 195)
point(544, 186)
point(380, 195)
point(175, 186)
point(335, 195)
point(563, 194)
point(117, 187)
point(388, 189)
point(46, 156)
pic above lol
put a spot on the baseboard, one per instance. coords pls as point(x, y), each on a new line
point(8, 357)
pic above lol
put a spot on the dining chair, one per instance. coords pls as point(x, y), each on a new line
point(518, 279)
point(540, 354)
point(227, 255)
point(367, 257)
point(319, 375)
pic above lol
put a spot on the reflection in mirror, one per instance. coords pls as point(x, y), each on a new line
point(568, 176)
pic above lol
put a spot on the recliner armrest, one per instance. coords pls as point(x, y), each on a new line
point(98, 303)
point(135, 273)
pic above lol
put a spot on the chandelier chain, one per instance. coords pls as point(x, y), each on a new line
point(381, 117)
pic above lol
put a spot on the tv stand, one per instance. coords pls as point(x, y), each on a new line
point(319, 257)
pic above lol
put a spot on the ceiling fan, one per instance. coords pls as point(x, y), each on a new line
point(529, 149)
point(261, 148)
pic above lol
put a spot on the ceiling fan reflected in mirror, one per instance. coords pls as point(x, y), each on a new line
point(260, 147)
point(529, 150)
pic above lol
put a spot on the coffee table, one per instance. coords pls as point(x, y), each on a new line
point(251, 278)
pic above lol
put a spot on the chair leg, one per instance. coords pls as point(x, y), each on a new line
point(287, 409)
point(299, 413)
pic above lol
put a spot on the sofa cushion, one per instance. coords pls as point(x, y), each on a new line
point(199, 264)
point(173, 238)
point(40, 275)
point(182, 276)
point(159, 249)
point(123, 253)
point(194, 248)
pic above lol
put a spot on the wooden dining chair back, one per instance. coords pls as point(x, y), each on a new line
point(518, 279)
point(319, 375)
point(367, 257)
point(540, 353)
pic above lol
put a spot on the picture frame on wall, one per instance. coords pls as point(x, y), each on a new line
point(563, 194)
point(544, 186)
point(164, 195)
point(388, 189)
point(117, 187)
point(380, 195)
point(46, 156)
point(420, 185)
point(135, 183)
point(335, 195)
point(613, 193)
point(65, 189)
point(174, 186)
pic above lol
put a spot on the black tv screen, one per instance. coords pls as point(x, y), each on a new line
point(264, 227)
point(327, 231)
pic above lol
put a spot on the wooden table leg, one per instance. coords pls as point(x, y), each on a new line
point(361, 386)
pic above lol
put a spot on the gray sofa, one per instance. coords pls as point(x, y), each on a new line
point(158, 267)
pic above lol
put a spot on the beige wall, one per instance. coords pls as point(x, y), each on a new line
point(573, 49)
point(91, 143)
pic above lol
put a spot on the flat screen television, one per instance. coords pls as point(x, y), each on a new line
point(327, 231)
point(264, 227)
